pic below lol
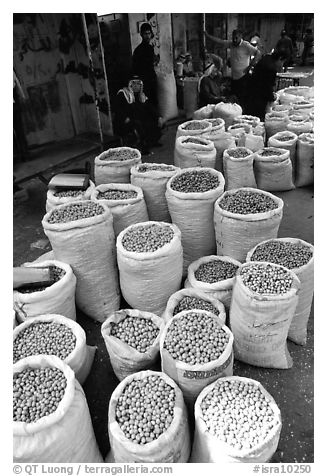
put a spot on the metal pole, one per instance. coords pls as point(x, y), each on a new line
point(89, 52)
point(104, 71)
point(204, 38)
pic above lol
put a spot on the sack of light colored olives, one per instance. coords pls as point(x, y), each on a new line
point(152, 179)
point(82, 234)
point(273, 169)
point(193, 128)
point(238, 168)
point(263, 304)
point(132, 340)
point(114, 165)
point(52, 334)
point(55, 425)
point(214, 276)
point(196, 348)
point(61, 197)
point(193, 151)
point(305, 160)
point(147, 421)
point(190, 298)
point(59, 298)
point(191, 194)
point(236, 421)
point(297, 255)
point(285, 140)
point(125, 201)
point(244, 217)
point(150, 262)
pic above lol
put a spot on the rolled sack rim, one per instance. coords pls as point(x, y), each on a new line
point(277, 158)
point(223, 285)
point(151, 174)
point(208, 145)
point(181, 127)
point(195, 292)
point(196, 195)
point(125, 187)
point(101, 158)
point(248, 157)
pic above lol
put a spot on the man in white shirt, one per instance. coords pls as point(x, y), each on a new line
point(243, 56)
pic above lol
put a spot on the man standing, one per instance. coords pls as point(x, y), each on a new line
point(284, 45)
point(243, 57)
point(308, 44)
point(144, 61)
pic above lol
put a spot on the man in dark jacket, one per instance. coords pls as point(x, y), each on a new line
point(144, 60)
point(285, 45)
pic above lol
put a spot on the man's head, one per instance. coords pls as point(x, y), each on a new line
point(237, 37)
point(136, 85)
point(146, 32)
point(283, 33)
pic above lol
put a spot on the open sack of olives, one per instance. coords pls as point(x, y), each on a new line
point(114, 165)
point(150, 261)
point(62, 196)
point(273, 169)
point(196, 348)
point(190, 299)
point(132, 340)
point(243, 217)
point(238, 168)
point(214, 276)
point(296, 255)
point(147, 421)
point(125, 201)
point(58, 298)
point(193, 128)
point(194, 151)
point(51, 419)
point(236, 421)
point(82, 234)
point(52, 334)
point(152, 178)
point(263, 304)
point(285, 140)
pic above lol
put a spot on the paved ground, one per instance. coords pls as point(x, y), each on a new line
point(292, 389)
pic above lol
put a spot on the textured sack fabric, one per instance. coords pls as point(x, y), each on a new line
point(126, 360)
point(53, 201)
point(221, 290)
point(193, 214)
point(167, 102)
point(238, 171)
point(173, 446)
point(275, 123)
point(300, 127)
point(107, 170)
point(254, 142)
point(192, 379)
point(80, 360)
point(209, 449)
point(124, 212)
point(298, 328)
point(236, 234)
point(204, 112)
point(189, 154)
point(274, 173)
point(148, 279)
point(175, 299)
point(305, 160)
point(88, 245)
point(275, 141)
point(222, 140)
point(260, 323)
point(64, 436)
point(56, 299)
point(197, 128)
point(246, 118)
point(153, 184)
point(227, 111)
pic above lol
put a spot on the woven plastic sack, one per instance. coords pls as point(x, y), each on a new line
point(277, 140)
point(281, 110)
point(59, 298)
point(192, 379)
point(305, 92)
point(248, 119)
point(173, 446)
point(190, 95)
point(80, 360)
point(222, 140)
point(175, 299)
point(107, 170)
point(305, 160)
point(218, 125)
point(274, 123)
point(148, 279)
point(300, 127)
point(193, 128)
point(236, 234)
point(227, 111)
point(126, 360)
point(88, 245)
point(153, 183)
point(209, 449)
point(125, 212)
point(204, 112)
point(166, 94)
point(298, 328)
point(238, 171)
point(53, 201)
point(193, 214)
point(239, 128)
point(260, 322)
point(221, 290)
point(64, 436)
point(254, 142)
point(274, 172)
point(303, 107)
point(188, 153)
